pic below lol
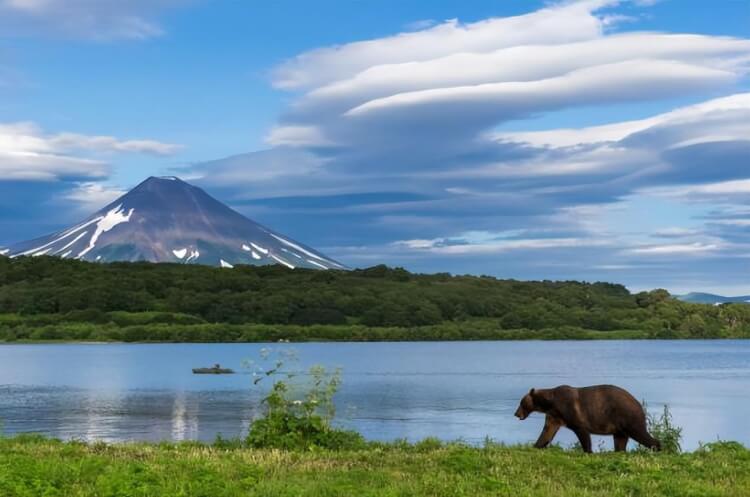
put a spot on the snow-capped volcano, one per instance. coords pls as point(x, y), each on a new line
point(167, 220)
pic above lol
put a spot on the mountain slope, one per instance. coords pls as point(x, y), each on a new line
point(710, 298)
point(168, 220)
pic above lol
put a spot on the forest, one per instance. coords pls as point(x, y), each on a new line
point(46, 298)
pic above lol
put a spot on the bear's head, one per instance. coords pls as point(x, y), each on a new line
point(531, 402)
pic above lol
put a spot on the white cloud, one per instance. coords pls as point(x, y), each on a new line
point(555, 25)
point(27, 153)
point(698, 151)
point(416, 100)
point(90, 197)
point(706, 191)
point(732, 222)
point(610, 21)
point(275, 172)
point(738, 186)
point(296, 136)
point(511, 64)
point(675, 232)
point(92, 19)
point(74, 141)
point(493, 243)
point(721, 108)
point(419, 109)
point(637, 79)
point(676, 249)
point(47, 167)
point(429, 113)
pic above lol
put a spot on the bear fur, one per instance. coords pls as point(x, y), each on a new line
point(598, 410)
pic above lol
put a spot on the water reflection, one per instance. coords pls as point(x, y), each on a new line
point(390, 390)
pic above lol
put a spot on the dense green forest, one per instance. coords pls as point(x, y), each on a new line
point(50, 298)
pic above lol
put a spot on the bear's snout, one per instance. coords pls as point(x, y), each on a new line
point(520, 414)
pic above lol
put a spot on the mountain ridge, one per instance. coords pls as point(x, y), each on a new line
point(710, 298)
point(165, 219)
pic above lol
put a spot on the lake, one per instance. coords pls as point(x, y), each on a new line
point(450, 390)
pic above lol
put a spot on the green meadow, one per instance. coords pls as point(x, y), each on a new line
point(34, 466)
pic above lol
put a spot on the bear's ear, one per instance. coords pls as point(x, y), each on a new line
point(532, 391)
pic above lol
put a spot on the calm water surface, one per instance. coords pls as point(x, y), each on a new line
point(451, 390)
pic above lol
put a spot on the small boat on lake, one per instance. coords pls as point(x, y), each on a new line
point(217, 369)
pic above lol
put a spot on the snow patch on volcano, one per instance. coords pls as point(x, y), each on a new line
point(282, 261)
point(259, 248)
point(75, 229)
point(62, 237)
point(297, 247)
point(225, 264)
point(292, 253)
point(110, 220)
point(181, 253)
point(317, 264)
point(81, 235)
point(252, 252)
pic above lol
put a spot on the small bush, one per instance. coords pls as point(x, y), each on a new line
point(299, 412)
point(287, 431)
point(227, 443)
point(664, 430)
point(429, 444)
point(722, 446)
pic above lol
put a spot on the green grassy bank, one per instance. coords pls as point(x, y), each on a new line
point(31, 466)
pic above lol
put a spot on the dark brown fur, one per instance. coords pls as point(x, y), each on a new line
point(598, 410)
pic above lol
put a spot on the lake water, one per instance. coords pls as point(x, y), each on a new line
point(451, 390)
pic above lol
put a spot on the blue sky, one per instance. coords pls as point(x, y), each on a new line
point(592, 139)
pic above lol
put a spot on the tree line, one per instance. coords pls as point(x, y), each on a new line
point(47, 293)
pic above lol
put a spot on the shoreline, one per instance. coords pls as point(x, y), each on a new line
point(322, 341)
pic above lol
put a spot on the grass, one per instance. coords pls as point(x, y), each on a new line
point(35, 466)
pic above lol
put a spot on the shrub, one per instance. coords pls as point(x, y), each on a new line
point(428, 444)
point(299, 412)
point(731, 447)
point(664, 430)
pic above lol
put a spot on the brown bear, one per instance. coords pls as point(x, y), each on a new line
point(600, 409)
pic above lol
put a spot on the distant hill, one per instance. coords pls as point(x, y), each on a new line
point(710, 298)
point(168, 220)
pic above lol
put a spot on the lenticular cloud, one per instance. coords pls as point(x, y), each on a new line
point(441, 113)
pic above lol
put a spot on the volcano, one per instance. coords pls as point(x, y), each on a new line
point(165, 219)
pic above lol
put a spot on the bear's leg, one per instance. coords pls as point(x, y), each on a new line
point(584, 438)
point(621, 442)
point(551, 427)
